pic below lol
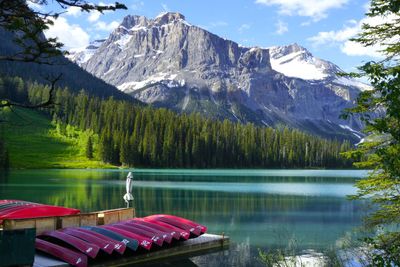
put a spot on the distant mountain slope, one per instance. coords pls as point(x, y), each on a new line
point(168, 62)
point(73, 76)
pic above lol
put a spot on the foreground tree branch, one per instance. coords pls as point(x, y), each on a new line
point(28, 26)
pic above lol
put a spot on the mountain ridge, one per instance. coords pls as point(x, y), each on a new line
point(167, 62)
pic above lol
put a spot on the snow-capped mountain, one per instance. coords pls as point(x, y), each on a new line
point(168, 62)
point(82, 55)
point(297, 62)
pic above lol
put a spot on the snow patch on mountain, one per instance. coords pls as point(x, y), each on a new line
point(297, 62)
point(169, 80)
point(356, 133)
point(83, 54)
point(293, 66)
point(123, 40)
point(353, 82)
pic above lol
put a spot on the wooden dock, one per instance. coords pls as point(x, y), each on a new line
point(193, 247)
point(201, 245)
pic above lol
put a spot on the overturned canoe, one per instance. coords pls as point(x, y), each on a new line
point(133, 234)
point(155, 238)
point(89, 249)
point(143, 241)
point(184, 234)
point(62, 253)
point(17, 209)
point(130, 243)
point(195, 231)
point(175, 234)
point(104, 245)
point(202, 228)
point(119, 247)
point(166, 236)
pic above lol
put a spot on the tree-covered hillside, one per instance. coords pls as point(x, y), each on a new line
point(122, 133)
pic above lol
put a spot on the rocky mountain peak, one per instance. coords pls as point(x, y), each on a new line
point(131, 21)
point(280, 51)
point(168, 17)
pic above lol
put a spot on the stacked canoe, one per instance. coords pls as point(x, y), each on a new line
point(18, 209)
point(79, 245)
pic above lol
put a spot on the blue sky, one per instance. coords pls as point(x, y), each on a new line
point(322, 26)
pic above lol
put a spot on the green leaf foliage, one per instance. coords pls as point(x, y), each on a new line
point(381, 151)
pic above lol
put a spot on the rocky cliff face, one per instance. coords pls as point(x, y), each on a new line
point(169, 63)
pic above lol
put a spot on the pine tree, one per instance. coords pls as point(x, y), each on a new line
point(144, 136)
point(381, 150)
point(89, 148)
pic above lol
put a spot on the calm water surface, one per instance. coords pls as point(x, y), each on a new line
point(258, 209)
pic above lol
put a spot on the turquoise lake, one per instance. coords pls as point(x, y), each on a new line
point(258, 209)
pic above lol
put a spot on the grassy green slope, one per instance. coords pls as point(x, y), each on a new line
point(33, 142)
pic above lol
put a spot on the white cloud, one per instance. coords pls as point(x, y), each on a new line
point(281, 27)
point(244, 27)
point(356, 49)
point(71, 35)
point(316, 9)
point(108, 27)
point(74, 11)
point(94, 16)
point(351, 29)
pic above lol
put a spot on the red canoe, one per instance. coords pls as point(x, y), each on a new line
point(8, 210)
point(118, 246)
point(175, 234)
point(183, 233)
point(166, 236)
point(101, 243)
point(144, 241)
point(158, 240)
point(12, 204)
point(87, 248)
point(186, 221)
point(65, 254)
point(193, 230)
point(17, 209)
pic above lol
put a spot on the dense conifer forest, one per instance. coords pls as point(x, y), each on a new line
point(123, 133)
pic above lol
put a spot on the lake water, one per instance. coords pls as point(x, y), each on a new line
point(258, 209)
